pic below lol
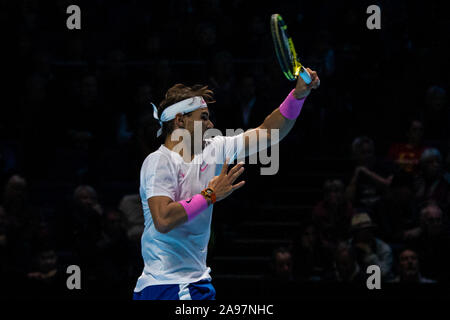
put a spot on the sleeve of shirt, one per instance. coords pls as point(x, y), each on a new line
point(158, 177)
point(231, 147)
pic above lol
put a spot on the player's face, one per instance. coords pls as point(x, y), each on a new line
point(201, 115)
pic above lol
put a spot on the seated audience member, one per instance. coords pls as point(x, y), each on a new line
point(347, 269)
point(283, 264)
point(81, 225)
point(407, 155)
point(432, 183)
point(16, 200)
point(280, 281)
point(46, 280)
point(112, 253)
point(370, 250)
point(431, 241)
point(131, 207)
point(398, 210)
point(370, 178)
point(22, 220)
point(409, 270)
point(313, 259)
point(333, 213)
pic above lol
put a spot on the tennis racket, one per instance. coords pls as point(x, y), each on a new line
point(285, 50)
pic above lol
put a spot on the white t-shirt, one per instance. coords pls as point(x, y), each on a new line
point(179, 256)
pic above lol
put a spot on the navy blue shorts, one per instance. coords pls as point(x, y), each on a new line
point(200, 290)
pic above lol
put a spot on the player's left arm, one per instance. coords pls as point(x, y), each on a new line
point(276, 120)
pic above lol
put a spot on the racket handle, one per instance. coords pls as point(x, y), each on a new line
point(305, 75)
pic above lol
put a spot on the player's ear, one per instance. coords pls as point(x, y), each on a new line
point(179, 121)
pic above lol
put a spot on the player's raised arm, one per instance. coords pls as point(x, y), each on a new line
point(284, 117)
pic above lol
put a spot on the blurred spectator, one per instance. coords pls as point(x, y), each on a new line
point(409, 270)
point(131, 207)
point(80, 226)
point(398, 212)
point(347, 269)
point(21, 220)
point(370, 178)
point(282, 265)
point(332, 214)
point(86, 199)
point(112, 254)
point(312, 259)
point(433, 183)
point(432, 242)
point(407, 155)
point(369, 249)
point(280, 281)
point(15, 198)
point(47, 280)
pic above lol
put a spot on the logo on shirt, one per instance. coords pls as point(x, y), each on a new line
point(204, 166)
point(189, 201)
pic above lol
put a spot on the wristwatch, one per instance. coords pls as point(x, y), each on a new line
point(210, 194)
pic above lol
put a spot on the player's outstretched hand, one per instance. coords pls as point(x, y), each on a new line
point(223, 183)
point(302, 89)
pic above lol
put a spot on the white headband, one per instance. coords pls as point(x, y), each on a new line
point(184, 106)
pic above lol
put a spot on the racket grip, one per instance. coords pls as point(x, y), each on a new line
point(305, 76)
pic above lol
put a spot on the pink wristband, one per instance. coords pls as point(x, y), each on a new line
point(291, 107)
point(194, 206)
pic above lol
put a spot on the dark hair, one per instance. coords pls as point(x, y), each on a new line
point(406, 248)
point(180, 92)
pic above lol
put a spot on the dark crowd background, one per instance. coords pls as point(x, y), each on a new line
point(371, 145)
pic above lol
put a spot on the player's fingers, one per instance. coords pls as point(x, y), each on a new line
point(236, 174)
point(238, 185)
point(311, 72)
point(225, 167)
point(314, 75)
point(235, 168)
point(316, 83)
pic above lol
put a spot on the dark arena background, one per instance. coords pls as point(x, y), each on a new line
point(76, 124)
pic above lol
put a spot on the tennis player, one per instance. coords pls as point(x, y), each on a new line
point(178, 189)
